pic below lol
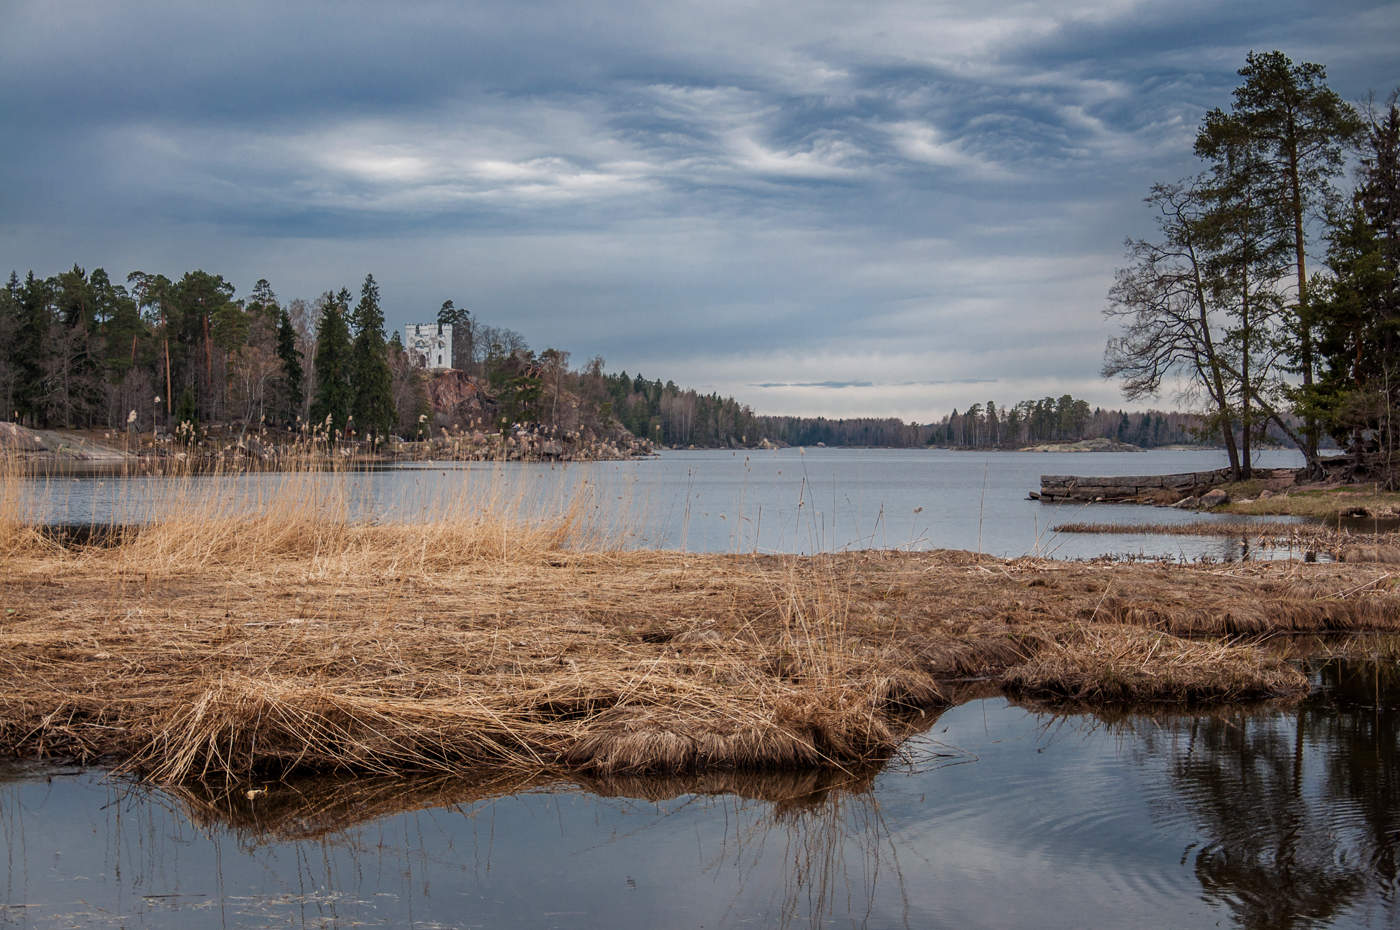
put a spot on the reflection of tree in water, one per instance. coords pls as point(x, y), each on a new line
point(1299, 810)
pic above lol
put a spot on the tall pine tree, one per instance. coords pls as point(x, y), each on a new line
point(334, 396)
point(373, 405)
point(1300, 129)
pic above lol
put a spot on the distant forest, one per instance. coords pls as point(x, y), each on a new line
point(676, 417)
point(81, 350)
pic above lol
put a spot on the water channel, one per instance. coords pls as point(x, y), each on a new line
point(999, 816)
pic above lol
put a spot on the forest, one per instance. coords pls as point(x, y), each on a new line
point(80, 350)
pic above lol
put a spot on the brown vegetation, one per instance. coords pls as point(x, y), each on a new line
point(1340, 545)
point(1323, 502)
point(256, 638)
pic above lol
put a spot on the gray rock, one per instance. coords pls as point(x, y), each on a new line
point(1214, 498)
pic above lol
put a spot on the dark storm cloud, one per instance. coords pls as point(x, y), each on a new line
point(881, 208)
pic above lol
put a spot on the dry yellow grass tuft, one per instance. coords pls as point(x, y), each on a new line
point(1131, 665)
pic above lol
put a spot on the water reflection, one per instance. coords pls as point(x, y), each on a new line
point(1297, 815)
point(1001, 816)
point(317, 808)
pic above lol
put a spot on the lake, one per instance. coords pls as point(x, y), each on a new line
point(788, 500)
point(1000, 816)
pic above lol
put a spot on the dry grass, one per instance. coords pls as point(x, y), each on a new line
point(1132, 665)
point(1321, 503)
point(237, 641)
point(1263, 531)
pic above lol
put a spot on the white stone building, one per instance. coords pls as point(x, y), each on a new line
point(430, 342)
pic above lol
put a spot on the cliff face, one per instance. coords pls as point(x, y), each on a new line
point(459, 400)
point(465, 402)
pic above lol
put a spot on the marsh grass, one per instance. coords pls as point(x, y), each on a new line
point(1342, 545)
point(1320, 503)
point(248, 631)
point(1263, 531)
point(1119, 665)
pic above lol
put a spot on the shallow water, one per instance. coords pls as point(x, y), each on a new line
point(790, 500)
point(1001, 817)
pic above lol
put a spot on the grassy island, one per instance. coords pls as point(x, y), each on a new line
point(279, 637)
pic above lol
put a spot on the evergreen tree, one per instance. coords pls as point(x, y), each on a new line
point(187, 412)
point(331, 406)
point(1358, 305)
point(32, 350)
point(463, 333)
point(292, 373)
point(373, 404)
point(9, 330)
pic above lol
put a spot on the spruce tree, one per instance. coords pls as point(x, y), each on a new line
point(332, 403)
point(291, 364)
point(373, 404)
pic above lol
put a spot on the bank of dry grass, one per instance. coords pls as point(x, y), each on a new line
point(1319, 502)
point(255, 641)
point(1119, 665)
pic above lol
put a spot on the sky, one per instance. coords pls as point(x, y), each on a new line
point(846, 209)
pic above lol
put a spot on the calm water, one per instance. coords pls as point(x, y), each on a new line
point(790, 500)
point(1002, 817)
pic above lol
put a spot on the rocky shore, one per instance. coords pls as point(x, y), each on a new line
point(229, 448)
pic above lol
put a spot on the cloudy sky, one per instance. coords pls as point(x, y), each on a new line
point(839, 208)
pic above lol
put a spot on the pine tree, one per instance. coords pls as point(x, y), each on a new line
point(332, 403)
point(373, 405)
point(1300, 129)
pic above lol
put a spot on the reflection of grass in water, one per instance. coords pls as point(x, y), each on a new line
point(1299, 538)
point(833, 838)
point(314, 808)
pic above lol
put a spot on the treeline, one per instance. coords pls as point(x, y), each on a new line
point(673, 416)
point(1062, 419)
point(1224, 294)
point(887, 432)
point(79, 350)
